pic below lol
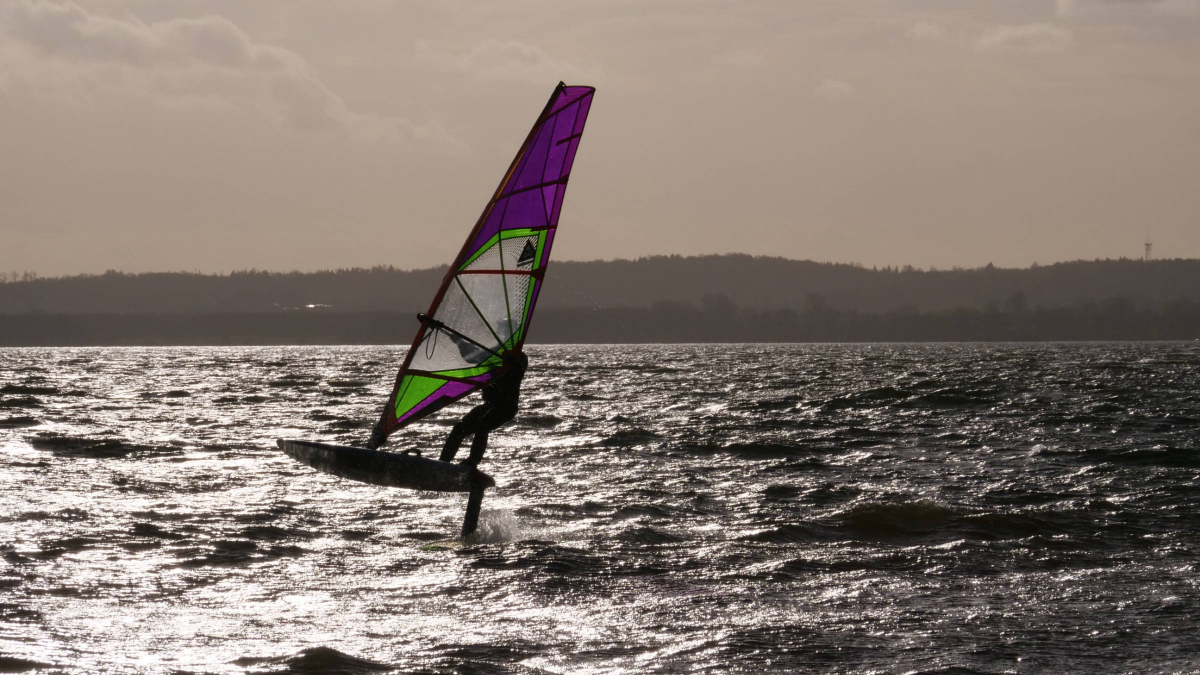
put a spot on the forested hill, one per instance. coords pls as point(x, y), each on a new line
point(758, 283)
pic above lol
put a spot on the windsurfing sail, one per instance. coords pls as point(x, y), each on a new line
point(484, 306)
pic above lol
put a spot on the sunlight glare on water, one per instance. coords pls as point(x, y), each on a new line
point(673, 508)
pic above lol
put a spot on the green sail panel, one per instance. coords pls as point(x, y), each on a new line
point(413, 390)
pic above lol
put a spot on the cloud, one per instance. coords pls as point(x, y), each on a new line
point(927, 31)
point(741, 58)
point(60, 47)
point(833, 89)
point(1127, 7)
point(1034, 38)
point(499, 60)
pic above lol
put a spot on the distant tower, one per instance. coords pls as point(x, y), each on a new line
point(1148, 246)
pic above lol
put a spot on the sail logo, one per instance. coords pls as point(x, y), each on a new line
point(527, 254)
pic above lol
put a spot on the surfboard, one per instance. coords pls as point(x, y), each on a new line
point(389, 469)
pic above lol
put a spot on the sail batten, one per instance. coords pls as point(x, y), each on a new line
point(485, 303)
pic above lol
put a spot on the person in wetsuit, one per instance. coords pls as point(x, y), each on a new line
point(500, 399)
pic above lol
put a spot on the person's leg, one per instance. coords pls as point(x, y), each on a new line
point(478, 446)
point(494, 417)
point(470, 424)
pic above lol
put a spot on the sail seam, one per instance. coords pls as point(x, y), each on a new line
point(560, 181)
point(570, 138)
point(515, 273)
point(437, 376)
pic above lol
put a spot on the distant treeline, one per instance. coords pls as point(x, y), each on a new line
point(714, 319)
point(757, 283)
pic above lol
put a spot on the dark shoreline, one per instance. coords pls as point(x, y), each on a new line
point(664, 323)
point(758, 283)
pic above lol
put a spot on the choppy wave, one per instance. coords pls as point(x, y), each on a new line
point(315, 661)
point(98, 448)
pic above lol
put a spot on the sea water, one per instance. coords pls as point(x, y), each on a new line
point(670, 508)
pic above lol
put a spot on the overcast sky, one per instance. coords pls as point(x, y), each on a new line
point(216, 135)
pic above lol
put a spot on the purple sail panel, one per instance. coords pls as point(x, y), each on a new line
point(525, 209)
point(548, 198)
point(450, 390)
point(558, 202)
point(491, 225)
point(584, 105)
point(570, 158)
point(554, 212)
point(572, 146)
point(565, 122)
point(546, 159)
point(541, 163)
point(534, 163)
point(570, 95)
point(514, 210)
point(546, 249)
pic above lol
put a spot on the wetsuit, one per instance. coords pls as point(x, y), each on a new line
point(500, 399)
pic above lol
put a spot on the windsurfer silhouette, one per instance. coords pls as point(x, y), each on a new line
point(500, 400)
